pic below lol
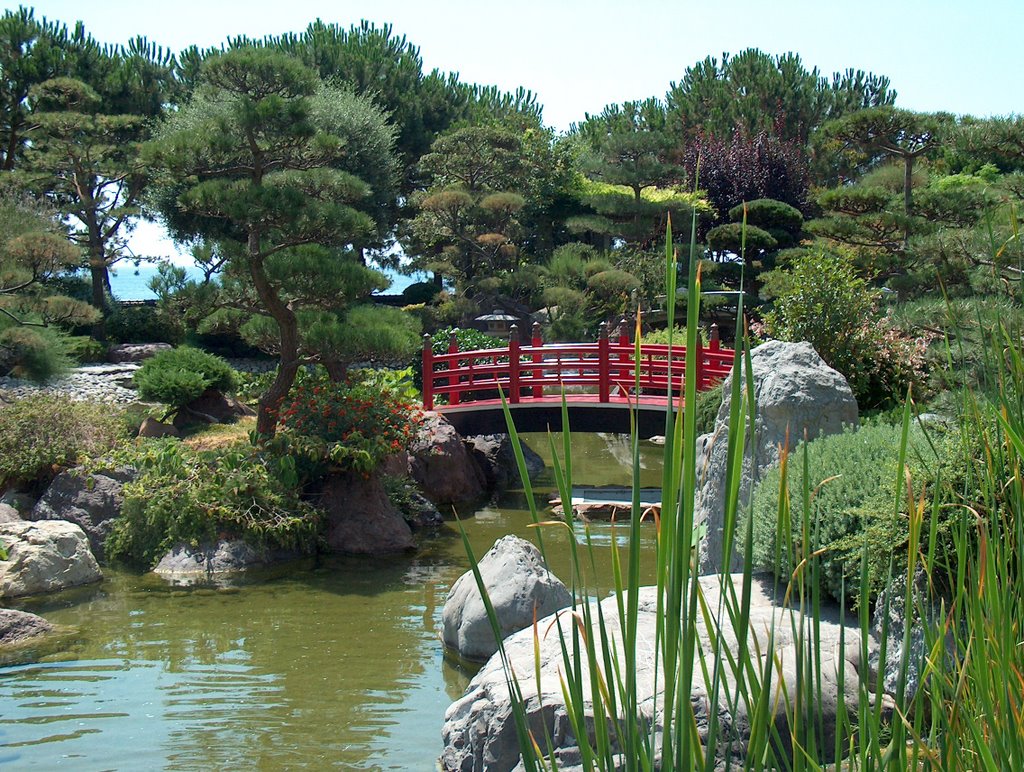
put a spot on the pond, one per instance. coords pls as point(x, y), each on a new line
point(337, 663)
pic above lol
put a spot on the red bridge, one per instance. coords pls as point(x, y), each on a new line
point(599, 380)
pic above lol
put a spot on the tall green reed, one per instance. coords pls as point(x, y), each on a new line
point(967, 713)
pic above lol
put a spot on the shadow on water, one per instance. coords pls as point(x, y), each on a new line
point(332, 663)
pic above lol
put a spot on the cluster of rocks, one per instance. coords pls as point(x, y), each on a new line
point(479, 729)
point(796, 395)
point(107, 383)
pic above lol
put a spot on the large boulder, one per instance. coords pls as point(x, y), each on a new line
point(361, 520)
point(517, 582)
point(91, 501)
point(442, 466)
point(497, 460)
point(19, 626)
point(135, 352)
point(43, 557)
point(479, 729)
point(796, 395)
point(209, 562)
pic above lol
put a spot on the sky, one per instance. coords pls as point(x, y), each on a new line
point(580, 55)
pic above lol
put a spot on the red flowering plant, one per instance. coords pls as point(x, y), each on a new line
point(351, 425)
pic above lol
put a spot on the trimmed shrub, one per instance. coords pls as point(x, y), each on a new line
point(187, 496)
point(179, 376)
point(729, 238)
point(141, 324)
point(40, 435)
point(851, 477)
point(769, 214)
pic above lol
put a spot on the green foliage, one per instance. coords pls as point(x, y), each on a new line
point(851, 476)
point(706, 409)
point(824, 302)
point(142, 324)
point(40, 435)
point(352, 425)
point(420, 292)
point(85, 350)
point(179, 376)
point(729, 238)
point(195, 497)
point(36, 353)
point(769, 214)
point(611, 292)
point(467, 339)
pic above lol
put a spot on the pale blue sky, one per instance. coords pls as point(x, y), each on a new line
point(579, 55)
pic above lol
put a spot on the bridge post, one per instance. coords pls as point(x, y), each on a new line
point(603, 366)
point(714, 342)
point(453, 380)
point(700, 362)
point(624, 353)
point(538, 373)
point(513, 364)
point(428, 373)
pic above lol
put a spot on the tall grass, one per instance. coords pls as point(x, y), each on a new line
point(967, 713)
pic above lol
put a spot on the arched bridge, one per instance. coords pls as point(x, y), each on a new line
point(599, 380)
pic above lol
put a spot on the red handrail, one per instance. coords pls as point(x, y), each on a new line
point(523, 372)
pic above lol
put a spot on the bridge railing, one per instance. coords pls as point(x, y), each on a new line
point(525, 372)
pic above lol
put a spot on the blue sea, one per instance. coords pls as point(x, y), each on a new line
point(131, 283)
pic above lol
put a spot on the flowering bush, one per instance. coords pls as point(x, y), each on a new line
point(352, 424)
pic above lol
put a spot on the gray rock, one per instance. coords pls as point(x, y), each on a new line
point(18, 626)
point(20, 502)
point(361, 520)
point(497, 460)
point(9, 514)
point(479, 732)
point(442, 466)
point(45, 557)
point(91, 501)
point(516, 579)
point(422, 512)
point(796, 395)
point(185, 564)
point(930, 606)
point(135, 352)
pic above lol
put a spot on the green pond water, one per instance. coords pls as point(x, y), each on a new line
point(336, 663)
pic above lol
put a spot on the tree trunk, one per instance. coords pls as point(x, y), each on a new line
point(288, 326)
point(908, 195)
point(336, 371)
point(98, 276)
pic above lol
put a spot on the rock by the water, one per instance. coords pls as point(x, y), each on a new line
point(153, 428)
point(186, 564)
point(516, 579)
point(422, 512)
point(479, 731)
point(442, 466)
point(497, 460)
point(361, 520)
point(91, 501)
point(9, 514)
point(18, 626)
point(795, 393)
point(135, 352)
point(45, 556)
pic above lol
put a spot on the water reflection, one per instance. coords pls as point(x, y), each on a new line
point(333, 664)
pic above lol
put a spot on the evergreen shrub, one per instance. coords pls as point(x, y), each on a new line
point(179, 376)
point(852, 477)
